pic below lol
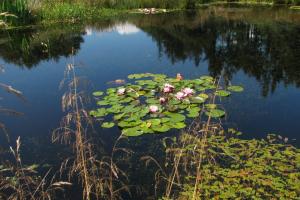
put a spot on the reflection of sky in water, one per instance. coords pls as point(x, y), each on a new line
point(113, 56)
point(121, 28)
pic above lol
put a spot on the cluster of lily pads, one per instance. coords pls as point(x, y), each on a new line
point(154, 103)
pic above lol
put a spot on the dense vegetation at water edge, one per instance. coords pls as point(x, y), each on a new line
point(32, 10)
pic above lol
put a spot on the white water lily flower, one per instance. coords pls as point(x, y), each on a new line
point(180, 95)
point(121, 91)
point(153, 109)
point(168, 88)
point(188, 91)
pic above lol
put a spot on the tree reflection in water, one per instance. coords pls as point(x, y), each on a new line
point(264, 44)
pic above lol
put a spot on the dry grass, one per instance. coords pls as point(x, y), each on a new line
point(99, 175)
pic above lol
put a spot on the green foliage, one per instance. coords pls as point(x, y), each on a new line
point(234, 168)
point(155, 103)
point(64, 11)
point(18, 8)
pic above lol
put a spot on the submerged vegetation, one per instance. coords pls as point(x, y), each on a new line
point(220, 165)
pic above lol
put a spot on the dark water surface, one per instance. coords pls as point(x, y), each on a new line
point(257, 48)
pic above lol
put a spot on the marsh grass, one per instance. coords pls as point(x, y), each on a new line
point(18, 8)
point(99, 175)
point(19, 181)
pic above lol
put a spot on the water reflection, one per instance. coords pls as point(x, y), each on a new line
point(266, 49)
point(27, 48)
point(264, 44)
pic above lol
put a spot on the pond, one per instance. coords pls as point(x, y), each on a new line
point(258, 48)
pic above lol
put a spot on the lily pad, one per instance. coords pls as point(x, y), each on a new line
point(215, 113)
point(131, 132)
point(107, 125)
point(236, 88)
point(98, 93)
point(162, 128)
point(130, 110)
point(222, 93)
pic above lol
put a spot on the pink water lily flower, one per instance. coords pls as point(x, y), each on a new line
point(188, 91)
point(153, 109)
point(168, 88)
point(121, 91)
point(180, 95)
point(162, 100)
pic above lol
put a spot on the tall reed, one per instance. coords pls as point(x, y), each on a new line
point(99, 175)
point(19, 8)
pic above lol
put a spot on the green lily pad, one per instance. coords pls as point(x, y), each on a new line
point(215, 113)
point(175, 117)
point(130, 111)
point(178, 125)
point(107, 125)
point(210, 106)
point(103, 103)
point(154, 122)
point(162, 128)
point(101, 112)
point(193, 114)
point(132, 132)
point(98, 93)
point(236, 88)
point(222, 93)
point(203, 95)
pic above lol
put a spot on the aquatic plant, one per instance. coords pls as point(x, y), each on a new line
point(99, 175)
point(19, 8)
point(19, 181)
point(233, 168)
point(156, 103)
point(4, 15)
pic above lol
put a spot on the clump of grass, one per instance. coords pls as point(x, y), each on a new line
point(99, 175)
point(74, 12)
point(18, 181)
point(17, 8)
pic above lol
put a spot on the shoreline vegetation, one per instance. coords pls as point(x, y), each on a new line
point(29, 12)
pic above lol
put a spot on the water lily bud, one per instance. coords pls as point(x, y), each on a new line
point(162, 100)
point(179, 76)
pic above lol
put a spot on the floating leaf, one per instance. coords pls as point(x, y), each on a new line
point(216, 113)
point(131, 110)
point(162, 128)
point(107, 124)
point(210, 106)
point(98, 93)
point(222, 93)
point(131, 132)
point(193, 114)
point(178, 125)
point(101, 112)
point(175, 117)
point(236, 88)
point(154, 122)
point(102, 103)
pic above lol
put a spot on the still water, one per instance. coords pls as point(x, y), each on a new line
point(257, 48)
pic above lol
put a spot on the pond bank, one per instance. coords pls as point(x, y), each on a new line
point(47, 12)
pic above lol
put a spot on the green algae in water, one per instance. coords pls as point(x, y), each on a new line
point(155, 103)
